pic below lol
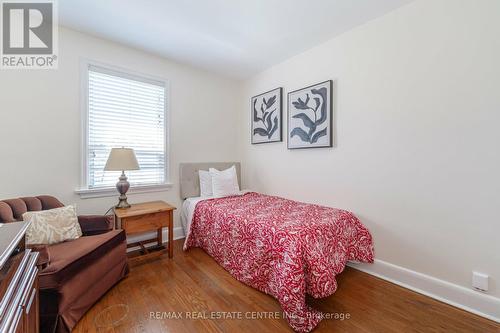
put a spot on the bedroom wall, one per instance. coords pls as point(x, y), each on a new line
point(40, 120)
point(416, 156)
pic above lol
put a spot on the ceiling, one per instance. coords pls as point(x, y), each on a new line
point(235, 38)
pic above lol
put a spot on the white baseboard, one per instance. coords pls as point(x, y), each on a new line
point(467, 299)
point(178, 234)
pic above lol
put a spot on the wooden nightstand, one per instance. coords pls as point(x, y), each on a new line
point(144, 217)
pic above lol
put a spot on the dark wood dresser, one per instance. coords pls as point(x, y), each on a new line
point(18, 281)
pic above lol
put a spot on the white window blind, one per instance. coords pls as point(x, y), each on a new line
point(125, 111)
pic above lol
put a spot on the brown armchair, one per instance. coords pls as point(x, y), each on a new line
point(73, 274)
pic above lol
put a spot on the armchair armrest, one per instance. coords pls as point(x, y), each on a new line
point(43, 255)
point(95, 224)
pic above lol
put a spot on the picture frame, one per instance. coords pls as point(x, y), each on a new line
point(267, 117)
point(310, 116)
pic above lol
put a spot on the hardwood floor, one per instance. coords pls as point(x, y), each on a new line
point(194, 283)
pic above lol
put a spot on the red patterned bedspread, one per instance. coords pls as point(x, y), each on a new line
point(281, 247)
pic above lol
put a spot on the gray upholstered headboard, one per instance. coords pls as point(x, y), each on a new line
point(189, 180)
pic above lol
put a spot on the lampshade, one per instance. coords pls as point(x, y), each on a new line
point(121, 159)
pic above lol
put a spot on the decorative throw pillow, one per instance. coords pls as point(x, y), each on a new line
point(224, 183)
point(52, 226)
point(205, 183)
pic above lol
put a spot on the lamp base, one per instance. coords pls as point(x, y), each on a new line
point(122, 186)
point(122, 203)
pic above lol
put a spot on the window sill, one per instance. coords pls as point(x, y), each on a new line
point(88, 193)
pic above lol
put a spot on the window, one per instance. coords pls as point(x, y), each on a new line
point(124, 110)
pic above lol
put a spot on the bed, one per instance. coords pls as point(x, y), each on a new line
point(281, 247)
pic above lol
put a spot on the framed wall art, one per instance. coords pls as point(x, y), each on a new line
point(310, 116)
point(267, 110)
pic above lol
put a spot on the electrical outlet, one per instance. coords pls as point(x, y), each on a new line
point(480, 281)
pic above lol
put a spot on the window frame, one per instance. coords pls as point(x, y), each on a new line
point(84, 191)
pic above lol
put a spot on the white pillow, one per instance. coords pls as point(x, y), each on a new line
point(224, 183)
point(52, 226)
point(205, 183)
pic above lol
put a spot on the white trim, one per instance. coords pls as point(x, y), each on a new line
point(125, 74)
point(467, 299)
point(84, 82)
point(178, 234)
point(86, 193)
point(84, 78)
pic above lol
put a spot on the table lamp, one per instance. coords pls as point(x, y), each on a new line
point(122, 159)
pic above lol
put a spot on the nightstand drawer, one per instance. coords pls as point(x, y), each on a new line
point(146, 222)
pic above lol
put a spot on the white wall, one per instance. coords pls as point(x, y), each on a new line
point(417, 158)
point(40, 119)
